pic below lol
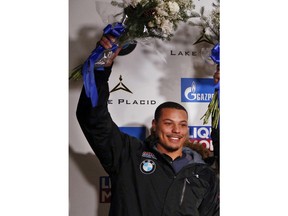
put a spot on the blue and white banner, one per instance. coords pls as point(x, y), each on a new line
point(197, 90)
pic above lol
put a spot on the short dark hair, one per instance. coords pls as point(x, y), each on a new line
point(168, 104)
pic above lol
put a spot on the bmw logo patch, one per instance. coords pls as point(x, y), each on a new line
point(147, 166)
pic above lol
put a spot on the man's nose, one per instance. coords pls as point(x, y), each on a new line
point(176, 129)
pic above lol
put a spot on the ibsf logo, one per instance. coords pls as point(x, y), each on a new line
point(197, 89)
point(105, 189)
point(201, 134)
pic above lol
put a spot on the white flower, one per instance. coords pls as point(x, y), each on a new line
point(161, 12)
point(158, 20)
point(188, 12)
point(173, 7)
point(167, 27)
point(135, 2)
point(151, 24)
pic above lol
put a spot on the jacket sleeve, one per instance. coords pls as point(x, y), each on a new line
point(101, 132)
point(210, 205)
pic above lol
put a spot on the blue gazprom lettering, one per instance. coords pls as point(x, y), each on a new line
point(200, 132)
point(197, 89)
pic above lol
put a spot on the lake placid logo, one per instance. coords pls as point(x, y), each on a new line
point(121, 86)
point(188, 52)
point(130, 101)
point(147, 166)
point(197, 89)
point(203, 38)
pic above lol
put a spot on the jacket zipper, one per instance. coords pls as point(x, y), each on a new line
point(183, 190)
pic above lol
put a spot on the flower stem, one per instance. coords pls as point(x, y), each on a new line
point(213, 111)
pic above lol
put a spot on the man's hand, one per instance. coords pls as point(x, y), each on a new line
point(216, 75)
point(106, 42)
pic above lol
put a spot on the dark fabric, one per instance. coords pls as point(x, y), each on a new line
point(179, 162)
point(215, 136)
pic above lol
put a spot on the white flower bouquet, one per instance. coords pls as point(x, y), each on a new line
point(154, 18)
point(140, 19)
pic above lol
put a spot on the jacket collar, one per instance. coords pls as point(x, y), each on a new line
point(151, 142)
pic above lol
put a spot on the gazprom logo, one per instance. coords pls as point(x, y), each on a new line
point(197, 89)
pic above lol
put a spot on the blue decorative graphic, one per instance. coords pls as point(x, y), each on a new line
point(215, 54)
point(138, 132)
point(147, 167)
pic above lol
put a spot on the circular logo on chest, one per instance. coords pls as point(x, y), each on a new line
point(147, 166)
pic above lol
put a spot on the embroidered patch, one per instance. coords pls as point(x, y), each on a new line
point(148, 155)
point(147, 166)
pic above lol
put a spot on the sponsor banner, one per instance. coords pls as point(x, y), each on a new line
point(201, 134)
point(105, 189)
point(197, 89)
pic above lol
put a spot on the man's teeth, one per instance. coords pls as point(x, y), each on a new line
point(175, 138)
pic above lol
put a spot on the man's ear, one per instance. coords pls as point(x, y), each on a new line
point(153, 124)
point(153, 128)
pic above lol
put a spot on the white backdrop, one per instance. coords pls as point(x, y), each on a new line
point(152, 73)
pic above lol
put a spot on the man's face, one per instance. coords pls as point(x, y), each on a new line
point(171, 129)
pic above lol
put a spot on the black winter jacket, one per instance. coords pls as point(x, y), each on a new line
point(143, 182)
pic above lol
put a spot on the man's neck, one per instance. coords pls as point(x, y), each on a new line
point(173, 154)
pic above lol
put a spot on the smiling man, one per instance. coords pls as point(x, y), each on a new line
point(157, 177)
point(170, 126)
